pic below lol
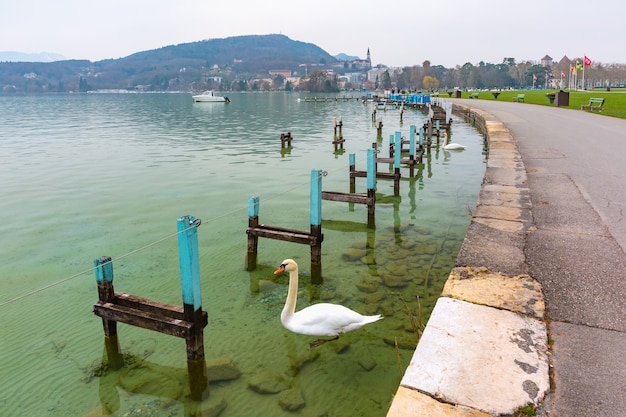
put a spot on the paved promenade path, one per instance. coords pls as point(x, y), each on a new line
point(553, 211)
point(576, 168)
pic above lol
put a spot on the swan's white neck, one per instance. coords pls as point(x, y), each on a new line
point(292, 294)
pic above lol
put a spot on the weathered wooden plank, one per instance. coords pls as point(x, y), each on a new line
point(286, 235)
point(143, 304)
point(143, 319)
point(345, 197)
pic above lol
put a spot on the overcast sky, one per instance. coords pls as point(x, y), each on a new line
point(397, 32)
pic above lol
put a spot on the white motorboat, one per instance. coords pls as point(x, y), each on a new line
point(210, 97)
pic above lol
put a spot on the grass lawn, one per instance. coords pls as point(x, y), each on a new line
point(614, 100)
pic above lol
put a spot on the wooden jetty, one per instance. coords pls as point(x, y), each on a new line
point(186, 322)
point(330, 99)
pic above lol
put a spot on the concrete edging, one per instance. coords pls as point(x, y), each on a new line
point(484, 351)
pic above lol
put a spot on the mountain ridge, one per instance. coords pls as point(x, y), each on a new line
point(182, 66)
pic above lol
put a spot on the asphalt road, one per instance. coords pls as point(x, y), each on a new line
point(576, 248)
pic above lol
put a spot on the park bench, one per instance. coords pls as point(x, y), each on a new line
point(519, 98)
point(594, 104)
point(474, 95)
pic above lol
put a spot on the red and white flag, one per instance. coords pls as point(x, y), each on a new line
point(587, 61)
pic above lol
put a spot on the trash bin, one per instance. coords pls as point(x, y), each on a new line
point(458, 94)
point(561, 99)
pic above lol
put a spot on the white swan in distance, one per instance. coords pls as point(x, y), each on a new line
point(321, 319)
point(453, 146)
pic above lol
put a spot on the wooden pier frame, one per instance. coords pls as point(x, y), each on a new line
point(369, 198)
point(313, 238)
point(186, 322)
point(338, 139)
point(285, 140)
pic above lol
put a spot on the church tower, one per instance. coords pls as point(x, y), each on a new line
point(369, 59)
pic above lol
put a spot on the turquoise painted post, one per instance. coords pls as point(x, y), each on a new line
point(396, 155)
point(421, 136)
point(253, 206)
point(104, 269)
point(316, 226)
point(316, 197)
point(352, 173)
point(371, 169)
point(189, 261)
point(371, 187)
point(396, 169)
point(412, 142)
point(437, 125)
point(253, 240)
point(399, 141)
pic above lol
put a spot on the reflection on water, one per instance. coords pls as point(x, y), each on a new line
point(82, 176)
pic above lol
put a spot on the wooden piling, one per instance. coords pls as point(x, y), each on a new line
point(316, 225)
point(253, 238)
point(352, 173)
point(371, 188)
point(379, 129)
point(396, 166)
point(189, 260)
point(106, 294)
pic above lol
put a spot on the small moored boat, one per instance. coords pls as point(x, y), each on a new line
point(210, 97)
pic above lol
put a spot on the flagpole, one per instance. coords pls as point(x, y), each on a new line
point(584, 56)
point(569, 78)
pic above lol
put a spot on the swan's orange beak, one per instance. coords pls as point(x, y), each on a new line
point(280, 269)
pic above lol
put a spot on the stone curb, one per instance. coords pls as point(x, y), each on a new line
point(484, 350)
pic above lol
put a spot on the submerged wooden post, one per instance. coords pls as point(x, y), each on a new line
point(192, 304)
point(379, 130)
point(371, 187)
point(106, 294)
point(253, 239)
point(316, 226)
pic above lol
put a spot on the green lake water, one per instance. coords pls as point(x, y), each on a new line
point(88, 175)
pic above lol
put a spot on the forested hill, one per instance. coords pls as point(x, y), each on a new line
point(184, 66)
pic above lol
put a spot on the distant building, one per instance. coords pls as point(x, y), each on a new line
point(546, 61)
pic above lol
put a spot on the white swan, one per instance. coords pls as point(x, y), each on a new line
point(321, 319)
point(453, 146)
